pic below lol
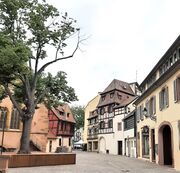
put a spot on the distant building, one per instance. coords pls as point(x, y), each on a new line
point(78, 134)
point(158, 111)
point(61, 129)
point(115, 104)
point(93, 127)
point(90, 137)
point(13, 128)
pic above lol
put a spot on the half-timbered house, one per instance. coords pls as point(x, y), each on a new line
point(115, 103)
point(61, 129)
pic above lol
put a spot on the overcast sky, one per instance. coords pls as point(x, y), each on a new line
point(124, 36)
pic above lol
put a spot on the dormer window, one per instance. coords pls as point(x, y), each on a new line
point(124, 87)
point(68, 114)
point(102, 111)
point(175, 57)
point(61, 113)
point(119, 96)
point(103, 97)
point(112, 95)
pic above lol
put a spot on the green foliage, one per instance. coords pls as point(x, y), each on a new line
point(26, 28)
point(78, 112)
point(57, 89)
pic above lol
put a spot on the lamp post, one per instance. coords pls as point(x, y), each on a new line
point(3, 114)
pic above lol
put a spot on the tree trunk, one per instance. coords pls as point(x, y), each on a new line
point(25, 137)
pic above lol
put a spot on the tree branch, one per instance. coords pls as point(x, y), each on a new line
point(58, 59)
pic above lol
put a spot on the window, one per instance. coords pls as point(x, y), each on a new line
point(3, 117)
point(119, 96)
point(175, 57)
point(152, 106)
point(69, 141)
point(110, 123)
point(112, 95)
point(61, 113)
point(177, 90)
point(141, 112)
point(145, 141)
point(60, 143)
point(138, 114)
point(163, 98)
point(103, 97)
point(119, 126)
point(110, 108)
point(15, 119)
point(129, 123)
point(102, 125)
point(102, 111)
point(68, 114)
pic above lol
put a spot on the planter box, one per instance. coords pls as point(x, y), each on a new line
point(45, 159)
point(4, 163)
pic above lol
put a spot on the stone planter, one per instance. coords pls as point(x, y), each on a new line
point(4, 163)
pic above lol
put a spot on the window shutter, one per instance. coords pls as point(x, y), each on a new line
point(175, 90)
point(138, 114)
point(154, 105)
point(141, 112)
point(160, 101)
point(178, 89)
point(167, 97)
point(148, 108)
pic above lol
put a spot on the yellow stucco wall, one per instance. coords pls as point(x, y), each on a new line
point(39, 127)
point(89, 107)
point(171, 115)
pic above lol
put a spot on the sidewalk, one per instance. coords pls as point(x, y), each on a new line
point(99, 163)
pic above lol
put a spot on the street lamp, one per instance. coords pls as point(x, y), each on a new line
point(3, 118)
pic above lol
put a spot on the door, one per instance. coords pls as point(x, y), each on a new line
point(167, 146)
point(119, 147)
point(153, 145)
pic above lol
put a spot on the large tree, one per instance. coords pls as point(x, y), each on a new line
point(27, 29)
point(78, 112)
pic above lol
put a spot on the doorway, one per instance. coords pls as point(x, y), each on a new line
point(167, 146)
point(119, 147)
point(153, 145)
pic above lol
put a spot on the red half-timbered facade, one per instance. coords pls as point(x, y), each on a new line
point(61, 121)
point(61, 129)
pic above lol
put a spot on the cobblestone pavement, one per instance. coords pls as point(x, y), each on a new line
point(99, 163)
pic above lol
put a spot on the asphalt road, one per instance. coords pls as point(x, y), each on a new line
point(99, 163)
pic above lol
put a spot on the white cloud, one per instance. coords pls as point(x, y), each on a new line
point(125, 36)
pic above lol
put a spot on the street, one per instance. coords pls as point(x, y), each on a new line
point(87, 162)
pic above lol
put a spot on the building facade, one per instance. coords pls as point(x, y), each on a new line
point(115, 104)
point(129, 123)
point(13, 127)
point(90, 139)
point(93, 127)
point(158, 111)
point(61, 129)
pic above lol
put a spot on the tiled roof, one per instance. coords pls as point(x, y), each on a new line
point(118, 85)
point(68, 116)
point(118, 92)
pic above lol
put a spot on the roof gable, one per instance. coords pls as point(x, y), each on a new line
point(118, 85)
